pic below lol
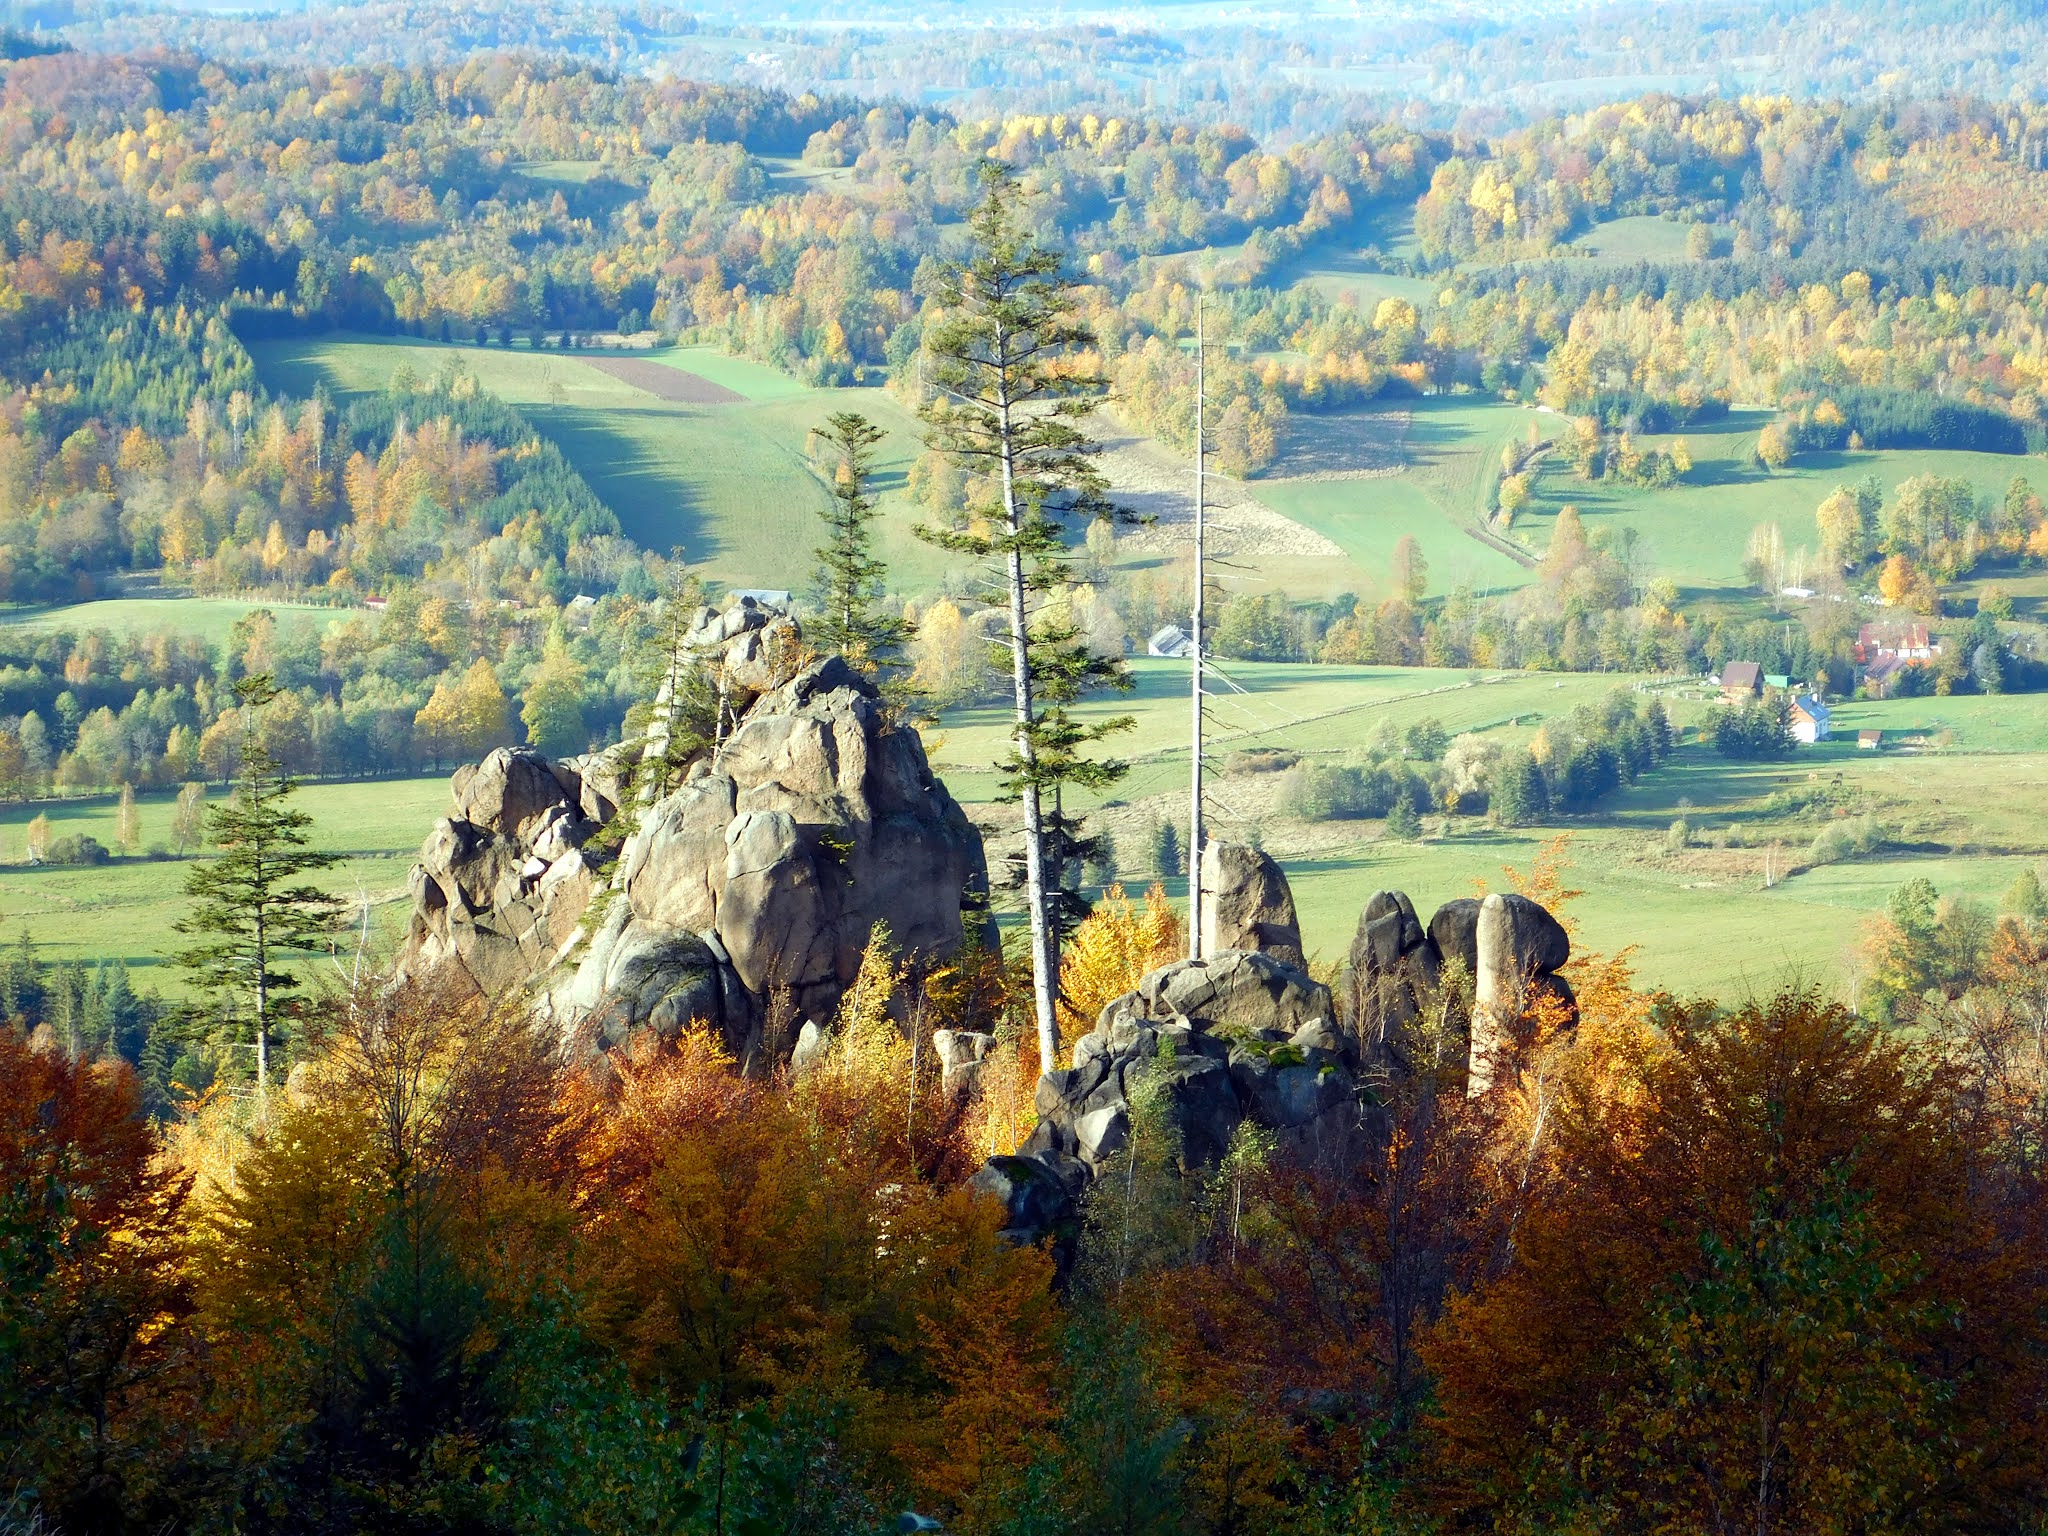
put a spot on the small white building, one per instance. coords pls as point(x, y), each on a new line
point(1170, 640)
point(1809, 719)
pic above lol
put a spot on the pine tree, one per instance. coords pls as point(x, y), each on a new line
point(1520, 794)
point(22, 982)
point(1009, 408)
point(1166, 855)
point(1404, 823)
point(248, 912)
point(685, 712)
point(850, 580)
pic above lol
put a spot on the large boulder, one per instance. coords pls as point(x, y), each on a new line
point(757, 881)
point(1396, 968)
point(488, 906)
point(1520, 947)
point(1246, 904)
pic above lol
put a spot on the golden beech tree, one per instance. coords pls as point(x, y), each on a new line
point(1752, 1285)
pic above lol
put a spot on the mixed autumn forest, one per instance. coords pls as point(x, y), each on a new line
point(822, 1072)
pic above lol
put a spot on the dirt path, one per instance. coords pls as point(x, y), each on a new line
point(664, 382)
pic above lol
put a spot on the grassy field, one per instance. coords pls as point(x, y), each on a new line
point(1963, 812)
point(1957, 790)
point(1452, 446)
point(731, 484)
point(1640, 237)
point(126, 908)
point(1698, 530)
point(211, 618)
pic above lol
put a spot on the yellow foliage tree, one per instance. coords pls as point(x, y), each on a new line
point(1897, 581)
point(482, 708)
point(1115, 945)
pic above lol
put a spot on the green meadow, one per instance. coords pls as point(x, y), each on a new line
point(208, 617)
point(126, 908)
point(1956, 789)
point(731, 484)
point(1698, 530)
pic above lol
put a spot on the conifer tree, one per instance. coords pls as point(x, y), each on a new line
point(850, 618)
point(1010, 405)
point(685, 712)
point(249, 909)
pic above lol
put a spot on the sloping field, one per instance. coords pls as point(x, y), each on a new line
point(725, 476)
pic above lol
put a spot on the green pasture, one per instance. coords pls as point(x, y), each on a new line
point(1964, 815)
point(209, 617)
point(1312, 710)
point(1452, 448)
point(127, 908)
point(731, 484)
point(1698, 531)
point(1639, 237)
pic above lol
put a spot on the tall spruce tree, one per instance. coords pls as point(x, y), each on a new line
point(248, 908)
point(850, 618)
point(1010, 402)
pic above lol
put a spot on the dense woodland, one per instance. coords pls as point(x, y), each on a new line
point(454, 1286)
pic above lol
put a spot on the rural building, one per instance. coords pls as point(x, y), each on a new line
point(1869, 741)
point(1170, 640)
point(1809, 719)
point(1741, 681)
point(1906, 642)
point(1885, 650)
point(1778, 680)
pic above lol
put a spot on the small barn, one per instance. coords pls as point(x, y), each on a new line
point(1170, 640)
point(1869, 741)
point(1742, 681)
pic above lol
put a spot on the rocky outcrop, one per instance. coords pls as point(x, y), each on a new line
point(502, 884)
point(1213, 1043)
point(1245, 1036)
point(1246, 904)
point(758, 879)
point(1396, 970)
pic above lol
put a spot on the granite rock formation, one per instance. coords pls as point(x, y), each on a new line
point(1244, 1035)
point(755, 882)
